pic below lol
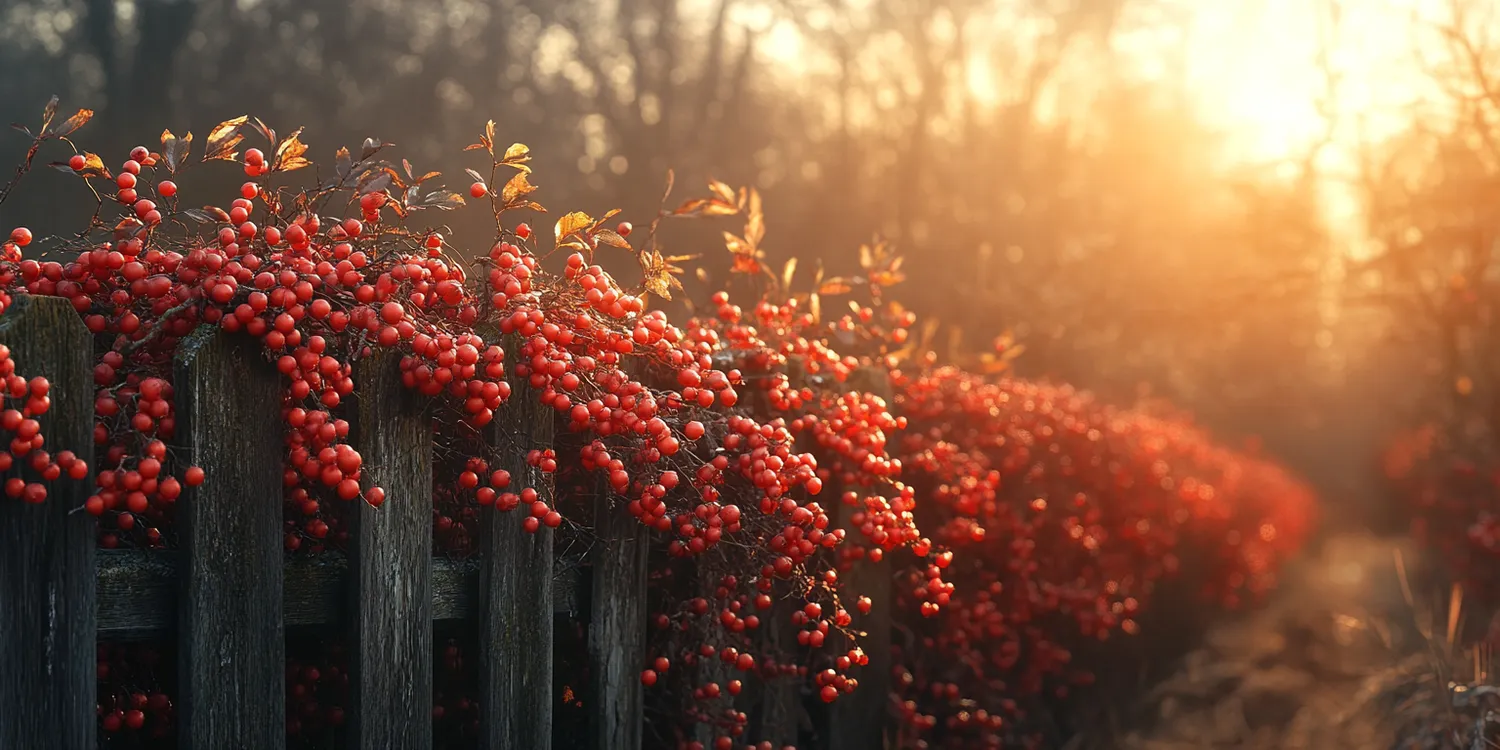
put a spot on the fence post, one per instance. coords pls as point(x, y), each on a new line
point(859, 721)
point(515, 605)
point(47, 616)
point(231, 642)
point(391, 565)
point(617, 625)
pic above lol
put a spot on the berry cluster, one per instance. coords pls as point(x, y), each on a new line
point(757, 444)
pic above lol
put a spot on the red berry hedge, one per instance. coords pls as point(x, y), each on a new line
point(1019, 518)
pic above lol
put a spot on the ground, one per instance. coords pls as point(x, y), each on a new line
point(1341, 657)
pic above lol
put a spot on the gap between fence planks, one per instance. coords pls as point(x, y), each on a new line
point(231, 645)
point(47, 669)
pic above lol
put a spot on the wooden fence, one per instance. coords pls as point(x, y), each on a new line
point(219, 597)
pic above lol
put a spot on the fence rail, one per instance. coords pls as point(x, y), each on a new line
point(218, 598)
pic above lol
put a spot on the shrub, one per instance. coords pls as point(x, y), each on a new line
point(1019, 517)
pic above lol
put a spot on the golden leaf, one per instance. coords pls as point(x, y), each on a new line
point(722, 191)
point(660, 275)
point(223, 138)
point(516, 188)
point(289, 154)
point(787, 271)
point(516, 153)
point(815, 307)
point(719, 208)
point(571, 223)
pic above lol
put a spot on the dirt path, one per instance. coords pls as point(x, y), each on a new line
point(1337, 660)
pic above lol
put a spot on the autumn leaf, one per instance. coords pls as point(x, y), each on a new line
point(571, 223)
point(372, 146)
point(49, 112)
point(223, 139)
point(445, 200)
point(69, 126)
point(516, 190)
point(289, 154)
point(835, 286)
point(516, 153)
point(660, 273)
point(343, 163)
point(787, 271)
point(612, 238)
point(265, 130)
point(93, 166)
point(723, 192)
point(174, 150)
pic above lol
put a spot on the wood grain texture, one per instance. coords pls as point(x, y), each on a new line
point(617, 626)
point(391, 565)
point(47, 553)
point(231, 643)
point(137, 594)
point(861, 720)
point(516, 584)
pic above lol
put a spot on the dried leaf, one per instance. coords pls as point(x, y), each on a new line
point(612, 238)
point(49, 112)
point(375, 182)
point(787, 272)
point(71, 125)
point(342, 164)
point(93, 166)
point(428, 176)
point(659, 273)
point(516, 153)
point(610, 214)
point(571, 223)
point(289, 154)
point(723, 192)
point(515, 189)
point(866, 257)
point(372, 146)
point(475, 176)
point(815, 307)
point(198, 215)
point(219, 214)
point(22, 129)
point(174, 150)
point(445, 200)
point(265, 130)
point(223, 139)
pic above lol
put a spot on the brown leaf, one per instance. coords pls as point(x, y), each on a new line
point(445, 200)
point(289, 154)
point(223, 139)
point(815, 307)
point(720, 208)
point(71, 125)
point(475, 176)
point(660, 275)
point(612, 238)
point(375, 182)
point(787, 271)
point(174, 150)
point(343, 163)
point(571, 223)
point(49, 112)
point(93, 167)
point(372, 146)
point(265, 130)
point(517, 188)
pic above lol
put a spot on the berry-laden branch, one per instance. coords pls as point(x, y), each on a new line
point(1018, 518)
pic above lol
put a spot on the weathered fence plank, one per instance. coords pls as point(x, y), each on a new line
point(391, 565)
point(859, 721)
point(47, 615)
point(517, 584)
point(231, 642)
point(617, 625)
